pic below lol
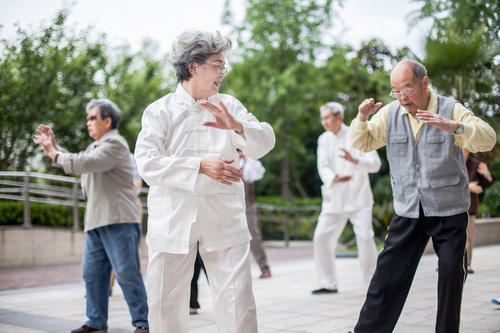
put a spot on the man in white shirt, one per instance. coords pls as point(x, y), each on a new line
point(186, 152)
point(346, 195)
point(253, 170)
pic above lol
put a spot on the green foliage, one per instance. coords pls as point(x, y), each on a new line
point(463, 16)
point(463, 65)
point(49, 75)
point(12, 212)
point(280, 79)
point(491, 199)
point(275, 80)
point(46, 76)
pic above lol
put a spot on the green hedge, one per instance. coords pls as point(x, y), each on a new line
point(12, 212)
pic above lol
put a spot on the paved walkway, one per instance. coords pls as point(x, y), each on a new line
point(284, 302)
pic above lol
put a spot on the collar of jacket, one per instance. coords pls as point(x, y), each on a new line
point(187, 99)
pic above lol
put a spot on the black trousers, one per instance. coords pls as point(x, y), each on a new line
point(396, 265)
point(198, 266)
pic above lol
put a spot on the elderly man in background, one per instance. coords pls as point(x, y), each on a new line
point(112, 220)
point(423, 133)
point(186, 152)
point(346, 194)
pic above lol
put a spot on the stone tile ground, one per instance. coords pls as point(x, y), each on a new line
point(51, 299)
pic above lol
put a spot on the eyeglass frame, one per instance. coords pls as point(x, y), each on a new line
point(403, 93)
point(221, 68)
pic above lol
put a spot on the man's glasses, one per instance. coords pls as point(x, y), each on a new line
point(221, 67)
point(407, 93)
point(92, 117)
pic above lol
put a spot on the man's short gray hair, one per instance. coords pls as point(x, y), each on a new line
point(106, 109)
point(334, 107)
point(195, 46)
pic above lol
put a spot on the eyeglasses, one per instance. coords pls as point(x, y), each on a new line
point(407, 93)
point(221, 67)
point(92, 117)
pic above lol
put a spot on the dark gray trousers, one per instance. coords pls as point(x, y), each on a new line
point(396, 266)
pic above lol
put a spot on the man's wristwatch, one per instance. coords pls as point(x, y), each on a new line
point(460, 129)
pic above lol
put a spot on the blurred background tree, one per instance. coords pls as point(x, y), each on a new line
point(283, 70)
point(48, 76)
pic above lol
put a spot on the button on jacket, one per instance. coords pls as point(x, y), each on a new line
point(355, 194)
point(107, 180)
point(168, 152)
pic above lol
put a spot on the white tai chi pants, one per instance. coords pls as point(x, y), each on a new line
point(168, 286)
point(326, 235)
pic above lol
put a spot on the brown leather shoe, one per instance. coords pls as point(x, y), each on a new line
point(142, 330)
point(86, 329)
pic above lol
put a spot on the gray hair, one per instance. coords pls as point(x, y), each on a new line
point(195, 46)
point(106, 109)
point(334, 107)
point(419, 70)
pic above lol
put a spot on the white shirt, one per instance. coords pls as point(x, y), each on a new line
point(253, 170)
point(355, 194)
point(168, 152)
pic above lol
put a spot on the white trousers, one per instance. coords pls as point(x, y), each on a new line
point(168, 286)
point(326, 235)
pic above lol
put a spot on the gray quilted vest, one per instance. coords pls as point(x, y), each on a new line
point(430, 171)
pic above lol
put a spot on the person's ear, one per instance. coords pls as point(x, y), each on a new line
point(425, 81)
point(108, 122)
point(193, 68)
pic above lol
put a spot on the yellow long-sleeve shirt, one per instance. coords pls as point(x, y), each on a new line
point(478, 135)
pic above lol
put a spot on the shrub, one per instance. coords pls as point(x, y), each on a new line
point(12, 213)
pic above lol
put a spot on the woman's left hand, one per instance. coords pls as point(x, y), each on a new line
point(223, 119)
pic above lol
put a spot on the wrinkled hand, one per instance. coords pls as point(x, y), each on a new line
point(44, 129)
point(367, 108)
point(475, 188)
point(348, 157)
point(223, 119)
point(437, 121)
point(220, 170)
point(341, 179)
point(47, 144)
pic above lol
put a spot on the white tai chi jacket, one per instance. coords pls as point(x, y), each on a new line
point(355, 194)
point(169, 149)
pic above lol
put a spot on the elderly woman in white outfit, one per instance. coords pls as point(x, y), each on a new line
point(186, 152)
point(346, 194)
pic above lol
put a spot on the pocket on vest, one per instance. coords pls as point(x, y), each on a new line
point(445, 192)
point(399, 144)
point(438, 181)
point(435, 145)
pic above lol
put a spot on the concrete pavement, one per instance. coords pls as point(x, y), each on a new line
point(284, 302)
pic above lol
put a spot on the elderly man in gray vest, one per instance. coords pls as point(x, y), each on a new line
point(112, 220)
point(346, 194)
point(424, 134)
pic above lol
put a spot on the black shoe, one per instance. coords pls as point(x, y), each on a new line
point(142, 330)
point(86, 329)
point(324, 291)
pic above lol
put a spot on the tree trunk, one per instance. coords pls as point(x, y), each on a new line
point(286, 193)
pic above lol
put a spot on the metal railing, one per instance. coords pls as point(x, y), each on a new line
point(62, 190)
point(38, 187)
point(290, 217)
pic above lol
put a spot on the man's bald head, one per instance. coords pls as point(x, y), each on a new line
point(418, 70)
